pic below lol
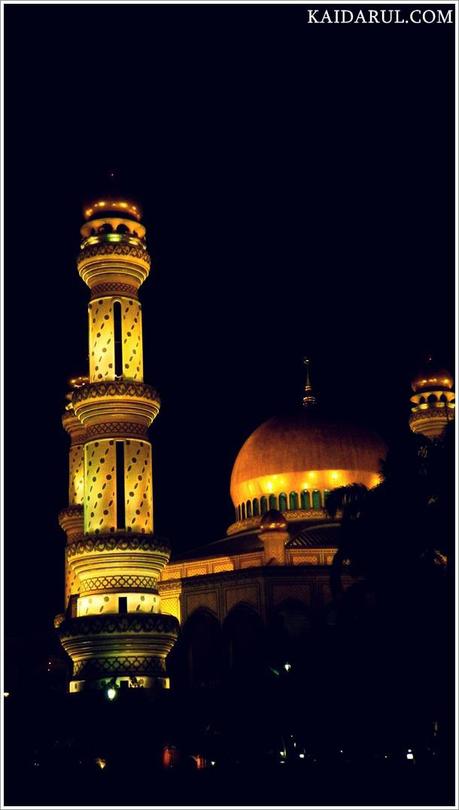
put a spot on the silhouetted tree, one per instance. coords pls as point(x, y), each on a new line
point(397, 544)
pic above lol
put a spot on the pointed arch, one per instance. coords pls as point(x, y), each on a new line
point(200, 649)
point(316, 499)
point(243, 641)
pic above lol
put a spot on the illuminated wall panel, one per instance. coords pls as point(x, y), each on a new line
point(109, 603)
point(132, 339)
point(171, 604)
point(138, 486)
point(76, 474)
point(72, 584)
point(100, 489)
point(101, 340)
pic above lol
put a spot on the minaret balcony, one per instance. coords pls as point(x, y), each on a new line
point(119, 644)
point(112, 257)
point(71, 520)
point(112, 557)
point(73, 427)
point(119, 402)
point(431, 421)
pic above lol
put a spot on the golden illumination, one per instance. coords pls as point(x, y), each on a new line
point(432, 404)
point(436, 378)
point(318, 480)
point(111, 624)
point(298, 459)
point(77, 382)
point(112, 205)
point(109, 603)
point(101, 318)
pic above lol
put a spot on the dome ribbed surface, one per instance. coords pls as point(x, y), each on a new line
point(306, 441)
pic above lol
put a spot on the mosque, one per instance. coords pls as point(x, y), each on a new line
point(127, 600)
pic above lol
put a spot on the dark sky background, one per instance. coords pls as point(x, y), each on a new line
point(298, 189)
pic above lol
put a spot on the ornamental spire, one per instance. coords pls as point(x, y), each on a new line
point(309, 400)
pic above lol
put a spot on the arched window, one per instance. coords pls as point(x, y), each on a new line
point(105, 228)
point(263, 504)
point(316, 500)
point(422, 400)
point(236, 513)
point(198, 657)
point(326, 494)
point(305, 499)
point(239, 512)
point(293, 500)
point(244, 643)
point(272, 502)
point(122, 228)
point(249, 509)
point(256, 507)
point(283, 502)
point(431, 399)
point(444, 399)
point(243, 511)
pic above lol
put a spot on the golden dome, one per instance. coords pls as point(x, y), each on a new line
point(304, 453)
point(432, 378)
point(273, 520)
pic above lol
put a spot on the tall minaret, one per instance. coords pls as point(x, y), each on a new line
point(433, 401)
point(113, 629)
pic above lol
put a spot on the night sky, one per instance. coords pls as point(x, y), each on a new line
point(298, 191)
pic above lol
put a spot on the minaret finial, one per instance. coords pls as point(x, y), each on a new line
point(308, 399)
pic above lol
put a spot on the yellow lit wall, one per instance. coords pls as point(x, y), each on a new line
point(100, 488)
point(138, 485)
point(132, 339)
point(72, 583)
point(100, 512)
point(76, 474)
point(108, 603)
point(102, 339)
point(171, 604)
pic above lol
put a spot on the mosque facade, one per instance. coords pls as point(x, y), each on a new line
point(127, 601)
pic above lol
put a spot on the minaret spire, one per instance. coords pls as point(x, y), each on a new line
point(309, 400)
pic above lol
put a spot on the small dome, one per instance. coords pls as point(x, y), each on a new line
point(432, 377)
point(273, 520)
